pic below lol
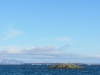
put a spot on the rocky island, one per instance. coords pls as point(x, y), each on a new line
point(69, 66)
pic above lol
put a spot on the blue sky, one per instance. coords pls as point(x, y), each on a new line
point(50, 30)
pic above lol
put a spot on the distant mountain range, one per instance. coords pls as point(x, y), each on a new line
point(10, 61)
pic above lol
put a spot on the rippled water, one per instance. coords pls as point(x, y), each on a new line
point(44, 70)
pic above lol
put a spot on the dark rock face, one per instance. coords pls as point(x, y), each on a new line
point(70, 66)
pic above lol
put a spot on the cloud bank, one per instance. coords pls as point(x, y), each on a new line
point(48, 53)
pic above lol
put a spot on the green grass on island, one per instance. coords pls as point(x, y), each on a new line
point(70, 66)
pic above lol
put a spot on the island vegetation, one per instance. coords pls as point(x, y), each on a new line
point(69, 66)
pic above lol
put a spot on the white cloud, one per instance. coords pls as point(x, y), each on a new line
point(93, 56)
point(10, 50)
point(57, 39)
point(47, 50)
point(12, 33)
point(46, 53)
point(13, 50)
point(62, 39)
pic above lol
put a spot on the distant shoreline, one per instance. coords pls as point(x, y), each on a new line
point(51, 64)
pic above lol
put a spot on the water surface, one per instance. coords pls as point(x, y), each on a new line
point(45, 70)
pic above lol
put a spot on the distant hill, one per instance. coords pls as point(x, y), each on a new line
point(9, 61)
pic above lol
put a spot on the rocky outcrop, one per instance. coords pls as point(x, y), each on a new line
point(70, 66)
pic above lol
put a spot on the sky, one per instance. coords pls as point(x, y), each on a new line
point(50, 30)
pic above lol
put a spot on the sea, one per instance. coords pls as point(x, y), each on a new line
point(45, 70)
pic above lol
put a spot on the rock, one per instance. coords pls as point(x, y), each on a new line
point(70, 66)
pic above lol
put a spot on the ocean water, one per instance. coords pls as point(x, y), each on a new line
point(45, 70)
